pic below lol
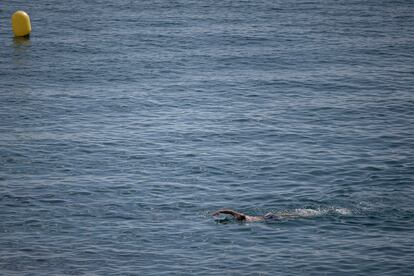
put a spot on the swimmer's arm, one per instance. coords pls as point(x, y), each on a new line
point(236, 215)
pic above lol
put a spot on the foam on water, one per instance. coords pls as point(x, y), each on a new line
point(305, 213)
point(343, 211)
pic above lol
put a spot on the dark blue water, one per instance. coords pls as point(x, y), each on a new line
point(125, 124)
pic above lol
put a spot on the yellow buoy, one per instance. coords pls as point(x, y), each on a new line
point(21, 24)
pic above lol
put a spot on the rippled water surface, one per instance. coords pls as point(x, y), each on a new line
point(125, 124)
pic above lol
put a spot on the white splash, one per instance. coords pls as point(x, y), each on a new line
point(309, 213)
point(342, 211)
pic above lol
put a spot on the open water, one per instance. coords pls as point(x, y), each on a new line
point(125, 124)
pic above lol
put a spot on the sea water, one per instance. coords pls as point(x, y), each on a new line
point(125, 124)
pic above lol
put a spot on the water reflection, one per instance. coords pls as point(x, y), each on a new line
point(21, 41)
point(21, 51)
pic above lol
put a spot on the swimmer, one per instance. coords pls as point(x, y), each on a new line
point(245, 218)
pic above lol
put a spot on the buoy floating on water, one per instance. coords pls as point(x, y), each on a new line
point(21, 24)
